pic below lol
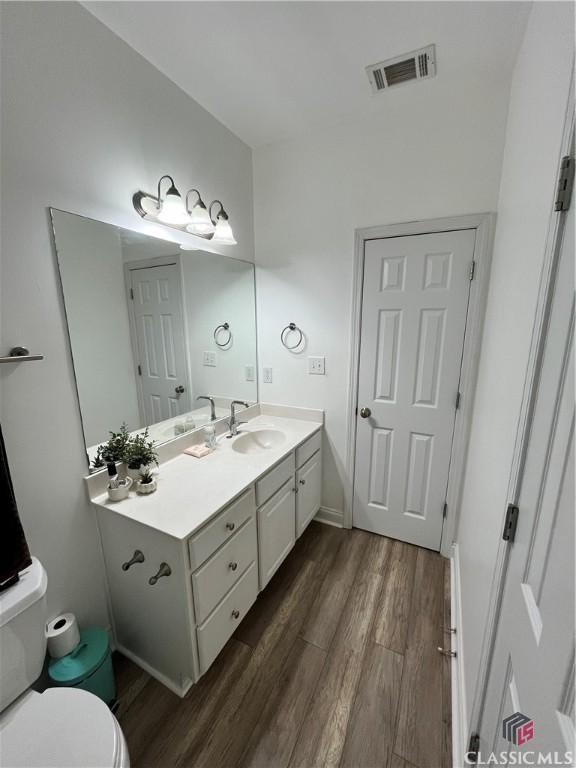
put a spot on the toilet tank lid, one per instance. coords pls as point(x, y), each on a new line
point(30, 588)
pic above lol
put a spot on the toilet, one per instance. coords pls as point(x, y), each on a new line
point(62, 727)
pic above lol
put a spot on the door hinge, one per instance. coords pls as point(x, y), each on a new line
point(472, 270)
point(473, 748)
point(458, 397)
point(132, 293)
point(565, 184)
point(139, 370)
point(509, 532)
point(445, 510)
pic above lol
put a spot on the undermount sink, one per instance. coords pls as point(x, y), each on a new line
point(258, 441)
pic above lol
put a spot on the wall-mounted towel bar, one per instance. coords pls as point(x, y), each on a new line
point(20, 355)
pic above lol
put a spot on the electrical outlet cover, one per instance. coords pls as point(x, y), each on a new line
point(267, 375)
point(209, 359)
point(317, 365)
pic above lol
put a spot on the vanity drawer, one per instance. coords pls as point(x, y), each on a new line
point(220, 625)
point(309, 448)
point(206, 541)
point(275, 479)
point(211, 582)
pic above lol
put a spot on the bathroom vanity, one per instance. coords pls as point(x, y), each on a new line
point(185, 564)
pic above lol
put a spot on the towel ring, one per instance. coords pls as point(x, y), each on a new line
point(283, 336)
point(218, 330)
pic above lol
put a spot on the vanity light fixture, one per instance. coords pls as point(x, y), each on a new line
point(173, 212)
point(200, 221)
point(171, 209)
point(223, 231)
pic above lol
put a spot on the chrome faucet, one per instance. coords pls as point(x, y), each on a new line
point(233, 423)
point(212, 406)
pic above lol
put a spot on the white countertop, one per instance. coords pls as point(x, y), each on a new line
point(191, 491)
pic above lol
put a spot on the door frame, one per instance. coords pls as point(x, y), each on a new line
point(134, 266)
point(483, 224)
point(541, 314)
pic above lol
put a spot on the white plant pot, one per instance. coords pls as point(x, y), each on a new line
point(145, 488)
point(120, 493)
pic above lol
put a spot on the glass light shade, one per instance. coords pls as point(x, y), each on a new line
point(223, 233)
point(200, 222)
point(173, 210)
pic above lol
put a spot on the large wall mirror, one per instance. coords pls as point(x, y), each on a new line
point(153, 328)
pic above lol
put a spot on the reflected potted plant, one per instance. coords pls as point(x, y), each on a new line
point(141, 455)
point(114, 450)
point(147, 483)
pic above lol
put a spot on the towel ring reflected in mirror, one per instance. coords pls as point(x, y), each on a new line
point(285, 335)
point(223, 328)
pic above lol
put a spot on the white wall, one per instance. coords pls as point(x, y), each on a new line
point(535, 122)
point(219, 290)
point(85, 122)
point(92, 270)
point(429, 154)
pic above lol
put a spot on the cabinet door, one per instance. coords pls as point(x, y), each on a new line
point(276, 530)
point(309, 485)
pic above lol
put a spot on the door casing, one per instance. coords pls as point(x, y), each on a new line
point(484, 224)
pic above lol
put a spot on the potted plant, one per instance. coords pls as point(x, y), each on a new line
point(140, 455)
point(147, 483)
point(114, 450)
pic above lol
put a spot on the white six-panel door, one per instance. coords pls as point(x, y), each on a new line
point(159, 325)
point(532, 670)
point(414, 305)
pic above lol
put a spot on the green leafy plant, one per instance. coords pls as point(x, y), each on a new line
point(141, 451)
point(146, 478)
point(114, 450)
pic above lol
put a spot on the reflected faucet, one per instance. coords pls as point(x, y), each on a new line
point(212, 406)
point(233, 423)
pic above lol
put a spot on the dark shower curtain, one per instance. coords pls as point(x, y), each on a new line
point(14, 553)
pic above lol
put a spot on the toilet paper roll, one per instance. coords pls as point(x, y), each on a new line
point(63, 635)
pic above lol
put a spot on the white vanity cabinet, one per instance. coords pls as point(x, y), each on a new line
point(291, 492)
point(177, 598)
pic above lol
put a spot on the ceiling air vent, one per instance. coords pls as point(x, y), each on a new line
point(417, 65)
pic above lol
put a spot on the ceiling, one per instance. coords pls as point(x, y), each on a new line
point(271, 71)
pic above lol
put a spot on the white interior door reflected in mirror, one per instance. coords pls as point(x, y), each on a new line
point(141, 319)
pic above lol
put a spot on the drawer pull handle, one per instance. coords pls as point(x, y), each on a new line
point(294, 490)
point(137, 557)
point(302, 482)
point(230, 526)
point(232, 566)
point(235, 614)
point(164, 570)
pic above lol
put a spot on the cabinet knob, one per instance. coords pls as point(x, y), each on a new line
point(232, 566)
point(302, 482)
point(230, 526)
point(164, 570)
point(235, 614)
point(137, 557)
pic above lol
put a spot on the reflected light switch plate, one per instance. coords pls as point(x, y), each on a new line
point(249, 373)
point(209, 358)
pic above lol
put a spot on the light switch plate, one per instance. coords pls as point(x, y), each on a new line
point(267, 375)
point(209, 359)
point(249, 373)
point(317, 365)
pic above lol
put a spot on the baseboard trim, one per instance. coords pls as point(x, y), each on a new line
point(459, 714)
point(179, 691)
point(330, 516)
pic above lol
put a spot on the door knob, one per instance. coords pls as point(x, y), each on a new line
point(164, 570)
point(179, 389)
point(365, 413)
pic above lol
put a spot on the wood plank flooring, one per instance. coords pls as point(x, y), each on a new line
point(335, 666)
